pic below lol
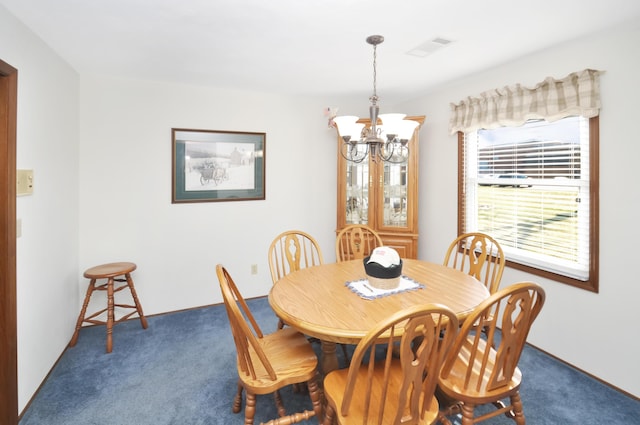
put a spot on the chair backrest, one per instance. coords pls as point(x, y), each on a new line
point(384, 387)
point(490, 363)
point(356, 241)
point(292, 250)
point(478, 255)
point(244, 327)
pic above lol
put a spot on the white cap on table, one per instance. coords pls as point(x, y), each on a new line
point(385, 256)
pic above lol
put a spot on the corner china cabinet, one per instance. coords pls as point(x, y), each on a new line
point(382, 194)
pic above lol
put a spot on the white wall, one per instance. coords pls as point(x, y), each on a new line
point(47, 251)
point(595, 332)
point(125, 187)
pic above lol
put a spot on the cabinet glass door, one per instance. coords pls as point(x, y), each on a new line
point(357, 193)
point(394, 198)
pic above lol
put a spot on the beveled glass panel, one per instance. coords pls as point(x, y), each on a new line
point(357, 193)
point(395, 195)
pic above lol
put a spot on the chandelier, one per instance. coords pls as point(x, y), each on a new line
point(387, 136)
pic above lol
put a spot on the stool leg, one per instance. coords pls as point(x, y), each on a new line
point(87, 297)
point(110, 314)
point(143, 320)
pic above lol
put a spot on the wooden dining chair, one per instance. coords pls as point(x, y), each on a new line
point(481, 369)
point(267, 363)
point(478, 255)
point(382, 388)
point(356, 241)
point(293, 250)
point(290, 251)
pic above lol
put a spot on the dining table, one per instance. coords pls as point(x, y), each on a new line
point(335, 303)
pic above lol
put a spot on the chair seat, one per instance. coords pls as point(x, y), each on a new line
point(336, 381)
point(291, 356)
point(477, 391)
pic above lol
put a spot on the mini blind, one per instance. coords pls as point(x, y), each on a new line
point(529, 188)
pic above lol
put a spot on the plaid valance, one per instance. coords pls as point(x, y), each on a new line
point(576, 94)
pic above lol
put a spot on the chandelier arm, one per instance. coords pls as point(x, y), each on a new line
point(400, 154)
point(386, 151)
point(350, 152)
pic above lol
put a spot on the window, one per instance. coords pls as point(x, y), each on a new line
point(534, 189)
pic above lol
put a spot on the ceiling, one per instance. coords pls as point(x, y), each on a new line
point(309, 47)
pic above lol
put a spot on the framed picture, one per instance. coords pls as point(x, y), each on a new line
point(214, 166)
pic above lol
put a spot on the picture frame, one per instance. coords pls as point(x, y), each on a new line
point(217, 166)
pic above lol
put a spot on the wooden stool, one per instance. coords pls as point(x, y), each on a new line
point(110, 272)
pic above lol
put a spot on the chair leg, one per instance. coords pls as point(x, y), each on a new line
point(250, 408)
point(467, 413)
point(279, 405)
point(328, 416)
point(518, 413)
point(442, 418)
point(237, 400)
point(316, 395)
point(299, 388)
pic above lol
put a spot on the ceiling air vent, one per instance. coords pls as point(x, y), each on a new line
point(429, 47)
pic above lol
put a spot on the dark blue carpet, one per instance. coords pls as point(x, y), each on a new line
point(181, 370)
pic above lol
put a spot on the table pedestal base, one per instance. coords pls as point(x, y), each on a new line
point(329, 358)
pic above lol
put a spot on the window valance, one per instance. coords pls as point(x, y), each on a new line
point(576, 94)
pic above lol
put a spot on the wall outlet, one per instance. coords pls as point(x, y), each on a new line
point(254, 269)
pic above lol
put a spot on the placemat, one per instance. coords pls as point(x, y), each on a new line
point(363, 289)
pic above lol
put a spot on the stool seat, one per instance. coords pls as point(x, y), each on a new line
point(105, 271)
point(112, 272)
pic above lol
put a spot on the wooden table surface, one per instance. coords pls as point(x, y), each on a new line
point(317, 302)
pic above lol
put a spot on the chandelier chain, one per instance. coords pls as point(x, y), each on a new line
point(374, 98)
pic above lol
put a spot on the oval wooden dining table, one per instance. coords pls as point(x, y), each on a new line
point(317, 301)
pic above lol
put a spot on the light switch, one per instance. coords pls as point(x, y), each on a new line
point(24, 182)
point(18, 228)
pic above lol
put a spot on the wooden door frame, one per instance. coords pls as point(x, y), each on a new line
point(8, 310)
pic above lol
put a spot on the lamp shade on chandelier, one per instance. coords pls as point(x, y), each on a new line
point(387, 136)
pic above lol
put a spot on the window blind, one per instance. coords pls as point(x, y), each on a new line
point(529, 188)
